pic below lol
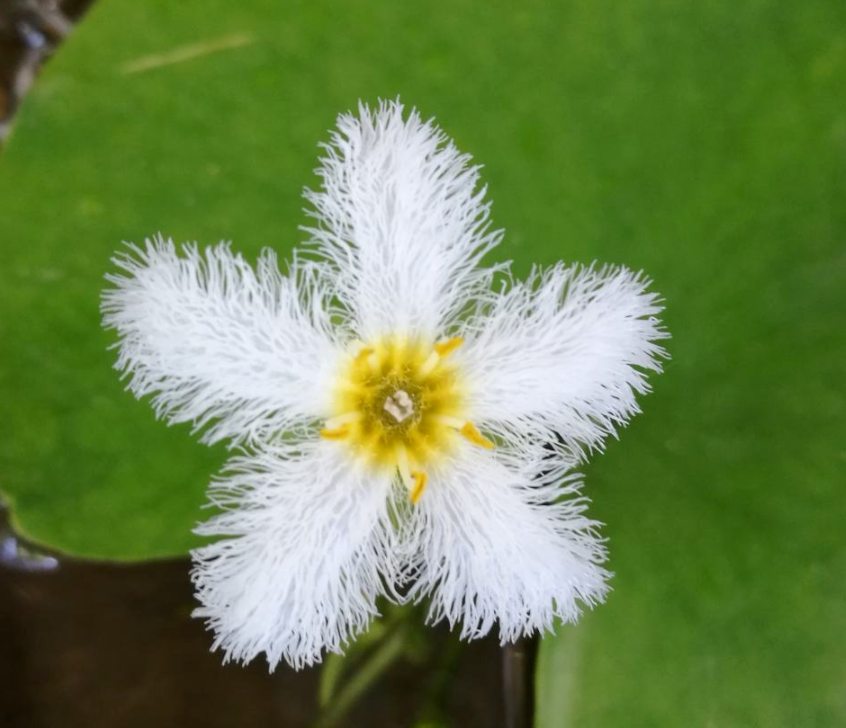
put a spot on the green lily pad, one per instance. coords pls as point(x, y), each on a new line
point(719, 148)
point(702, 142)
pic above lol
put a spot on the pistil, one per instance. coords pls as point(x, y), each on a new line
point(399, 406)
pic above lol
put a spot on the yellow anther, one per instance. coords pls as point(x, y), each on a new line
point(439, 351)
point(450, 345)
point(477, 438)
point(369, 356)
point(337, 433)
point(363, 353)
point(416, 492)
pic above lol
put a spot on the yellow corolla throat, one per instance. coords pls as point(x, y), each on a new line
point(399, 404)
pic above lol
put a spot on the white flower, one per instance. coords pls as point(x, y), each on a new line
point(409, 427)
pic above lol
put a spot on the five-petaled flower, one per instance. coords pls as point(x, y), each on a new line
point(409, 422)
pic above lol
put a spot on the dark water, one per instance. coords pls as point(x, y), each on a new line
point(105, 645)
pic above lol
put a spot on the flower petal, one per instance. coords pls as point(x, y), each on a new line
point(308, 540)
point(401, 217)
point(494, 544)
point(243, 353)
point(562, 355)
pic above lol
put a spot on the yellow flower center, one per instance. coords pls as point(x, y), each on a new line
point(398, 404)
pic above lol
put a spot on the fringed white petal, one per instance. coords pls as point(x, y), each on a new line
point(308, 539)
point(562, 356)
point(495, 546)
point(243, 353)
point(401, 216)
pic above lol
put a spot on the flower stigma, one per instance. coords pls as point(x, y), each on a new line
point(399, 405)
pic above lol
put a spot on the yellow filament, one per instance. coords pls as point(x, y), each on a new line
point(416, 492)
point(415, 480)
point(455, 423)
point(477, 438)
point(430, 364)
point(337, 433)
point(402, 466)
point(342, 420)
point(440, 350)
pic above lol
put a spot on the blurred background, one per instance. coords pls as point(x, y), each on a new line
point(702, 142)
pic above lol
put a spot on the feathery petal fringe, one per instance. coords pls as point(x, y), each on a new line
point(307, 539)
point(243, 354)
point(562, 355)
point(402, 216)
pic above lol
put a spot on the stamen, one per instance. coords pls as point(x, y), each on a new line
point(338, 433)
point(441, 349)
point(477, 438)
point(363, 353)
point(346, 385)
point(345, 419)
point(402, 466)
point(468, 429)
point(367, 354)
point(416, 492)
point(454, 422)
point(430, 363)
point(450, 345)
point(415, 480)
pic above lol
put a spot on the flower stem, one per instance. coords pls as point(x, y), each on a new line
point(518, 681)
point(383, 656)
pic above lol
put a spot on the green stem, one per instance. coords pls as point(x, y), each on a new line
point(382, 657)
